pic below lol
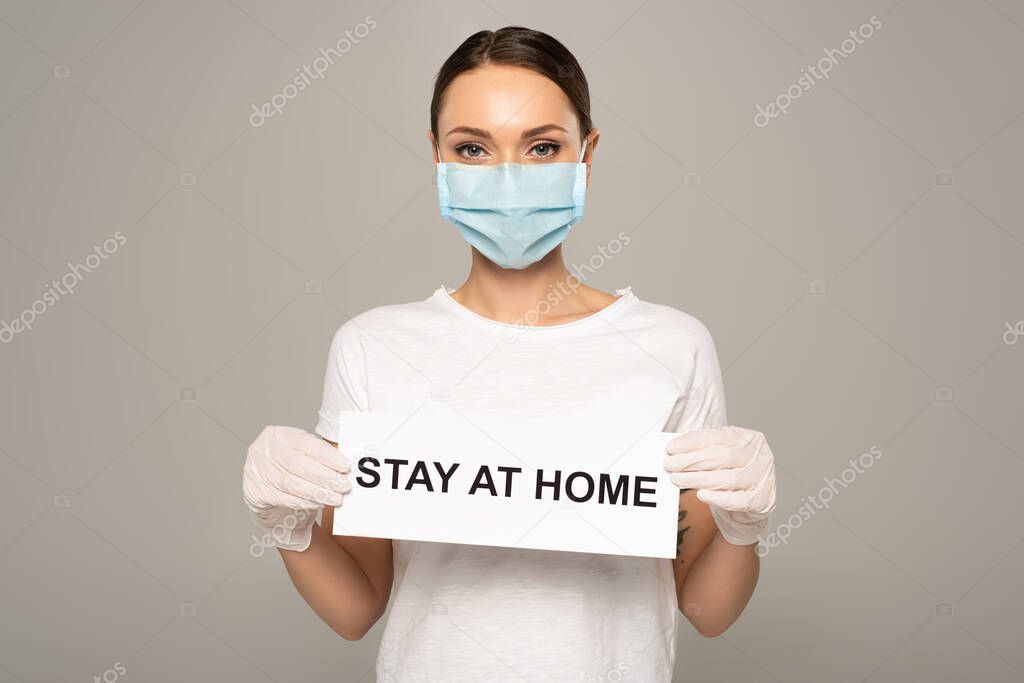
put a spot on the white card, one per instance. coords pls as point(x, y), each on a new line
point(483, 480)
point(522, 484)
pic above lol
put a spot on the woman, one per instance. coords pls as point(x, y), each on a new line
point(514, 143)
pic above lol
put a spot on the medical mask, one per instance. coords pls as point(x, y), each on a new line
point(514, 214)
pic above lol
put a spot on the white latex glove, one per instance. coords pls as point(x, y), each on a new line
point(733, 470)
point(289, 475)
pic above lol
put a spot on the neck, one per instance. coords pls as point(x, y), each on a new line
point(543, 291)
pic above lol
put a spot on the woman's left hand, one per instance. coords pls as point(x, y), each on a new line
point(733, 470)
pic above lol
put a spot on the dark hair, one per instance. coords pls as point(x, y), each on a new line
point(517, 46)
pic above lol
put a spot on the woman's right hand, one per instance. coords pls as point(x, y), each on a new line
point(289, 475)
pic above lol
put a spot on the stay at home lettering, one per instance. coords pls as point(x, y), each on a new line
point(579, 487)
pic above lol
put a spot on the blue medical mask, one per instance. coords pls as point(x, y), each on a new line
point(514, 214)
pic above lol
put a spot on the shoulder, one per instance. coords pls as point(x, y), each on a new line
point(387, 321)
point(672, 325)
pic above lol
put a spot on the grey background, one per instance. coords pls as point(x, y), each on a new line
point(857, 261)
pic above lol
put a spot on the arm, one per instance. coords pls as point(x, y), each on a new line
point(727, 490)
point(714, 579)
point(345, 579)
point(733, 470)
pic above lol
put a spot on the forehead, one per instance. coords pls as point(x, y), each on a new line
point(504, 100)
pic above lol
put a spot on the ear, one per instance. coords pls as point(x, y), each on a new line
point(433, 146)
point(588, 156)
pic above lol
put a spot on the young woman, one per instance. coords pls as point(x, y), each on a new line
point(512, 136)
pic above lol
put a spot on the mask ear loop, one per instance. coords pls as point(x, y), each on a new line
point(579, 189)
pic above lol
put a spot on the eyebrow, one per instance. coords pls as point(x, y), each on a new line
point(481, 133)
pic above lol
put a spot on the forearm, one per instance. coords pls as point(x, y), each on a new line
point(335, 586)
point(719, 585)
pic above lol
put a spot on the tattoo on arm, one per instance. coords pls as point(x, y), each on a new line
point(681, 530)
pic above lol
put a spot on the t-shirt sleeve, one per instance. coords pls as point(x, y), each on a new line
point(703, 405)
point(344, 381)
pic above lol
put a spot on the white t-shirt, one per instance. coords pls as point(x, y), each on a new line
point(481, 613)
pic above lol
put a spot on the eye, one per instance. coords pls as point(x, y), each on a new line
point(471, 150)
point(545, 149)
